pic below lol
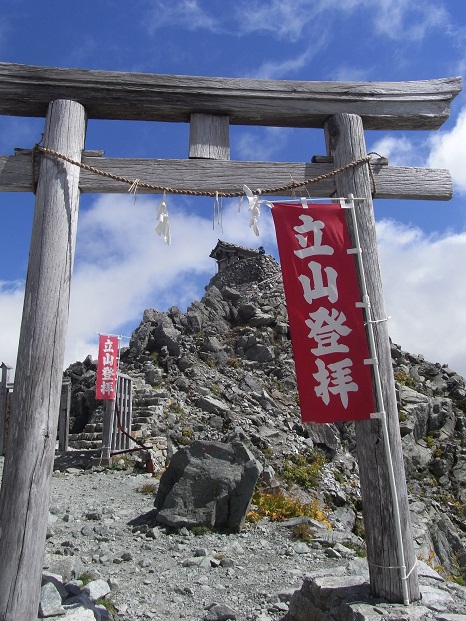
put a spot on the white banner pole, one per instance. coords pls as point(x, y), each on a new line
point(380, 414)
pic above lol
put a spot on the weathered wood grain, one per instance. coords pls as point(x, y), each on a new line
point(345, 140)
point(229, 176)
point(64, 415)
point(25, 491)
point(107, 431)
point(27, 90)
point(209, 137)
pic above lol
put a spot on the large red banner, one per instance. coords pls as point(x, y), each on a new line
point(107, 367)
point(327, 328)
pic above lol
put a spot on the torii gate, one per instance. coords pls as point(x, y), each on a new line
point(67, 97)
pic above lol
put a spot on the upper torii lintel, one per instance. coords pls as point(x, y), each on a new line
point(27, 91)
point(210, 105)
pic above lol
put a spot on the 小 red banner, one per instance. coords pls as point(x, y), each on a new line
point(107, 367)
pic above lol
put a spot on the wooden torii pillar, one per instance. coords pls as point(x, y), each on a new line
point(210, 105)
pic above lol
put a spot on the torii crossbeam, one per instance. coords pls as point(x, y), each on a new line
point(66, 97)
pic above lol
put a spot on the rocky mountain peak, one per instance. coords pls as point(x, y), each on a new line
point(224, 370)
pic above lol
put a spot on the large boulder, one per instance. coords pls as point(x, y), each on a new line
point(209, 484)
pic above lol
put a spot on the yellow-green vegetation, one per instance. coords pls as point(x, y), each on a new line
point(459, 571)
point(108, 604)
point(360, 550)
point(403, 378)
point(147, 488)
point(233, 362)
point(176, 408)
point(452, 505)
point(186, 437)
point(429, 440)
point(402, 417)
point(304, 470)
point(303, 532)
point(154, 356)
point(86, 577)
point(358, 528)
point(440, 569)
point(280, 507)
point(124, 463)
point(200, 530)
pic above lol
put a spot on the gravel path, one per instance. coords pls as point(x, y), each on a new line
point(101, 521)
point(102, 525)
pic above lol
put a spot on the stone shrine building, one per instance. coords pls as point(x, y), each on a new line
point(227, 254)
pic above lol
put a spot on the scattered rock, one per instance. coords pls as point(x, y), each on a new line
point(208, 484)
point(223, 372)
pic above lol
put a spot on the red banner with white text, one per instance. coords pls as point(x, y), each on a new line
point(327, 328)
point(107, 367)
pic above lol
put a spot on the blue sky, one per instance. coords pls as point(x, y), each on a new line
point(422, 245)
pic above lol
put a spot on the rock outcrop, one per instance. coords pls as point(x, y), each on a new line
point(223, 371)
point(208, 484)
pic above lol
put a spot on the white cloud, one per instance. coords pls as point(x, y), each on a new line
point(122, 267)
point(291, 20)
point(409, 19)
point(111, 289)
point(278, 69)
point(400, 151)
point(284, 19)
point(347, 73)
point(261, 144)
point(188, 14)
point(427, 303)
point(448, 150)
point(442, 149)
point(11, 308)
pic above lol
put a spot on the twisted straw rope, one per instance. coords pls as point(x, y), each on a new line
point(135, 183)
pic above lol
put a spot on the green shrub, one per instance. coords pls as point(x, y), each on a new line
point(86, 577)
point(107, 604)
point(124, 463)
point(147, 488)
point(176, 408)
point(233, 362)
point(304, 470)
point(201, 529)
point(404, 379)
point(303, 532)
point(279, 507)
point(429, 440)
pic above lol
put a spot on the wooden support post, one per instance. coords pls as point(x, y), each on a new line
point(209, 137)
point(64, 416)
point(345, 141)
point(3, 403)
point(128, 401)
point(107, 432)
point(25, 491)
